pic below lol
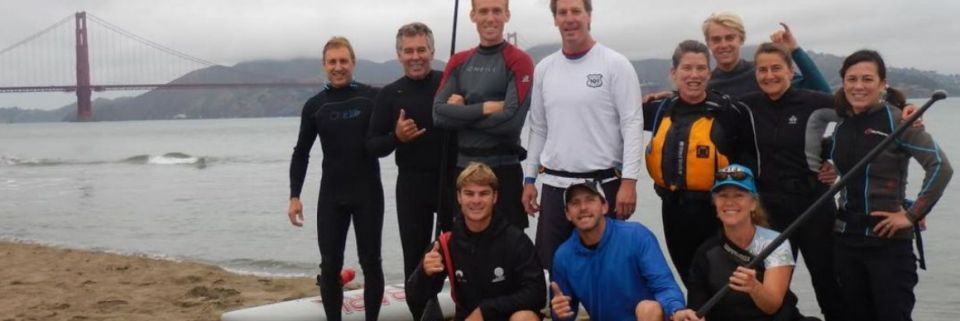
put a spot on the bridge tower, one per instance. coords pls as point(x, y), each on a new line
point(84, 105)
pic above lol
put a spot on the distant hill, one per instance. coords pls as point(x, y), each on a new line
point(276, 102)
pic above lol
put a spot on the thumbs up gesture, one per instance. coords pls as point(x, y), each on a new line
point(560, 303)
point(406, 129)
point(433, 261)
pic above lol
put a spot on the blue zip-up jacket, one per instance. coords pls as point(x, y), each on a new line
point(625, 268)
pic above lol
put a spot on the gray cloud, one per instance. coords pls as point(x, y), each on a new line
point(920, 34)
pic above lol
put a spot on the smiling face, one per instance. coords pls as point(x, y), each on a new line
point(773, 74)
point(476, 203)
point(415, 55)
point(338, 66)
point(586, 210)
point(690, 76)
point(724, 43)
point(734, 205)
point(862, 86)
point(573, 21)
point(490, 16)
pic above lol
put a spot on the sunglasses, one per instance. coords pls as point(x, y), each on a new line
point(737, 176)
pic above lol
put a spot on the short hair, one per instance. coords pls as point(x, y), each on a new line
point(478, 174)
point(414, 29)
point(338, 42)
point(893, 96)
point(473, 3)
point(587, 5)
point(774, 48)
point(727, 19)
point(690, 46)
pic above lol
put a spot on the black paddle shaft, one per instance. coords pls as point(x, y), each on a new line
point(828, 195)
point(445, 136)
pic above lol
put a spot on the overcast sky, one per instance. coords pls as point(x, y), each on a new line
point(922, 34)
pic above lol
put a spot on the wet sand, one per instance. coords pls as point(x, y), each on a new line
point(46, 283)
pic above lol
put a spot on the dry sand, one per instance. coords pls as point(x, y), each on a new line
point(46, 283)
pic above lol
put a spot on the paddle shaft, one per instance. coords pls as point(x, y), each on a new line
point(828, 195)
point(445, 138)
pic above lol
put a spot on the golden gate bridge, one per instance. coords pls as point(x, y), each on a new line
point(69, 56)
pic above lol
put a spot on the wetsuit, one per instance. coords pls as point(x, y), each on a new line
point(626, 267)
point(496, 271)
point(877, 275)
point(742, 80)
point(788, 184)
point(715, 262)
point(350, 189)
point(418, 162)
point(497, 73)
point(588, 128)
point(689, 144)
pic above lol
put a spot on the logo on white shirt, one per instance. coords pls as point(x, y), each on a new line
point(594, 80)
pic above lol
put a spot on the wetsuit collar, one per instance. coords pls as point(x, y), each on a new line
point(486, 50)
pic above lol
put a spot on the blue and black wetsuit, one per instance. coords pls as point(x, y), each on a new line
point(877, 274)
point(419, 166)
point(350, 189)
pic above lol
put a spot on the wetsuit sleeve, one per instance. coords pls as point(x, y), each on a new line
point(301, 152)
point(532, 291)
point(698, 288)
point(538, 127)
point(920, 145)
point(653, 267)
point(810, 76)
point(381, 140)
point(627, 97)
point(422, 287)
point(813, 137)
point(453, 116)
point(559, 275)
point(516, 100)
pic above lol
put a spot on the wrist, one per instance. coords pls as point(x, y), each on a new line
point(529, 180)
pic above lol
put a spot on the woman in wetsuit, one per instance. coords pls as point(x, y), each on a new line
point(762, 293)
point(876, 266)
point(350, 187)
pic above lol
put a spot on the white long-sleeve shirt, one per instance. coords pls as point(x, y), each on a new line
point(585, 115)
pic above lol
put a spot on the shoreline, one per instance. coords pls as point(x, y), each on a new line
point(44, 282)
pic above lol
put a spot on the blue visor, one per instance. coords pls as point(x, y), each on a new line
point(735, 175)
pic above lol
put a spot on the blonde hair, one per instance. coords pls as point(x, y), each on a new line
point(477, 174)
point(726, 19)
point(338, 42)
point(759, 215)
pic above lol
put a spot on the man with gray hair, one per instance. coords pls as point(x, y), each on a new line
point(402, 120)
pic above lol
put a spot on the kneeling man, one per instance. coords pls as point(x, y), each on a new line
point(615, 268)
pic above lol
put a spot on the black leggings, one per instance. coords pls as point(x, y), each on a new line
point(337, 205)
point(687, 223)
point(876, 281)
point(416, 204)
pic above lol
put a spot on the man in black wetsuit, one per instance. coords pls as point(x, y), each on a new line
point(402, 120)
point(350, 187)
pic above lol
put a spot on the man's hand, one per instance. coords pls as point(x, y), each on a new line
point(432, 261)
point(456, 99)
point(785, 38)
point(685, 315)
point(295, 212)
point(476, 315)
point(657, 96)
point(492, 107)
point(744, 280)
point(626, 198)
point(891, 223)
point(827, 174)
point(529, 199)
point(406, 129)
point(560, 303)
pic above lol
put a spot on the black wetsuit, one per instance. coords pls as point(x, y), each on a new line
point(350, 188)
point(419, 162)
point(788, 184)
point(877, 274)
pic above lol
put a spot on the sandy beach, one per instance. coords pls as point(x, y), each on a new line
point(46, 283)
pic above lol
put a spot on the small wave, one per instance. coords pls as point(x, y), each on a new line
point(173, 158)
point(14, 161)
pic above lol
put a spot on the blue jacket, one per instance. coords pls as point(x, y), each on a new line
point(626, 267)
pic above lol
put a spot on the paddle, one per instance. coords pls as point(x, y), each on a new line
point(828, 195)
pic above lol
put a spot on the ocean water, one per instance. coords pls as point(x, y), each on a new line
point(215, 191)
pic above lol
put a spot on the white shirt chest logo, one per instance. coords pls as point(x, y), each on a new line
point(594, 80)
